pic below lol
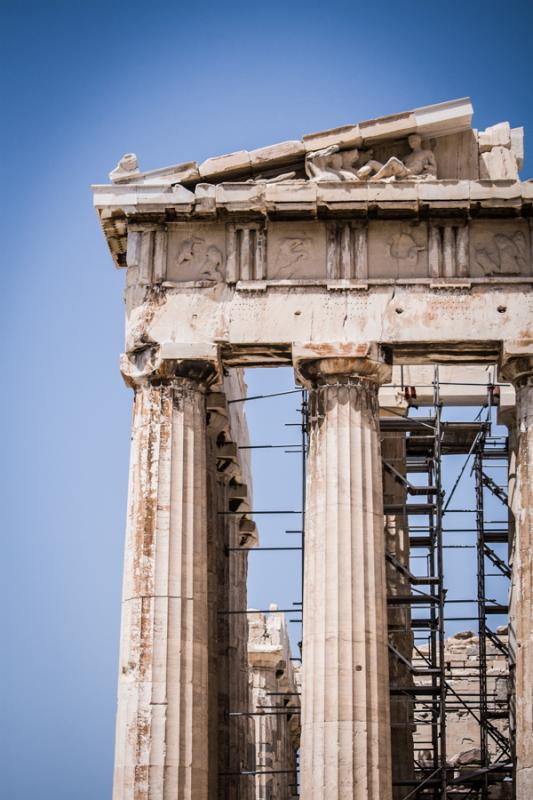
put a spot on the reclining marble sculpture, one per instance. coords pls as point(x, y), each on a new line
point(330, 164)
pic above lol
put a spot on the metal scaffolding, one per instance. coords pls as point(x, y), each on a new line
point(426, 510)
point(282, 701)
point(434, 697)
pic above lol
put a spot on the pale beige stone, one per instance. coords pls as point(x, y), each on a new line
point(277, 154)
point(457, 155)
point(294, 197)
point(498, 164)
point(393, 126)
point(127, 167)
point(296, 250)
point(462, 728)
point(167, 176)
point(500, 248)
point(397, 250)
point(492, 191)
point(245, 196)
point(196, 252)
point(495, 136)
point(449, 117)
point(336, 195)
point(403, 191)
point(517, 366)
point(163, 659)
point(517, 145)
point(347, 252)
point(205, 194)
point(344, 136)
point(345, 748)
point(443, 190)
point(275, 691)
point(222, 166)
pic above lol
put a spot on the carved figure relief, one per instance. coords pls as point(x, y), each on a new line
point(503, 254)
point(397, 250)
point(296, 251)
point(405, 250)
point(285, 176)
point(418, 165)
point(330, 164)
point(205, 259)
point(292, 250)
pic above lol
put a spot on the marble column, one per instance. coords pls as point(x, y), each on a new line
point(519, 370)
point(162, 718)
point(345, 747)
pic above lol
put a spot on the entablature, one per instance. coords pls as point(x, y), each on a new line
point(411, 231)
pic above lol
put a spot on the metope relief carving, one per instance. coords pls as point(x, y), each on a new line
point(404, 249)
point(202, 258)
point(332, 164)
point(397, 250)
point(296, 251)
point(291, 252)
point(504, 255)
point(501, 248)
point(196, 253)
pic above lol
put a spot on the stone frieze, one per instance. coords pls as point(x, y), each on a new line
point(205, 253)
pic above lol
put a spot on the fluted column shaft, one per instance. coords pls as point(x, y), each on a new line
point(521, 606)
point(345, 748)
point(162, 731)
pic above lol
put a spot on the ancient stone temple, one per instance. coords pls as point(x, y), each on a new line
point(390, 263)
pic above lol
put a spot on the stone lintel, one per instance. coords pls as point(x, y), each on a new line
point(404, 353)
point(328, 362)
point(460, 385)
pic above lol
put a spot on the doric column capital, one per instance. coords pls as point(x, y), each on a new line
point(516, 362)
point(323, 364)
point(153, 363)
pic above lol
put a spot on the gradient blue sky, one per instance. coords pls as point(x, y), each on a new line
point(82, 83)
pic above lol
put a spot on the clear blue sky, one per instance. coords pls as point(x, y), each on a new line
point(82, 83)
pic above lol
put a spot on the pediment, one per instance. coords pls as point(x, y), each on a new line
point(427, 143)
